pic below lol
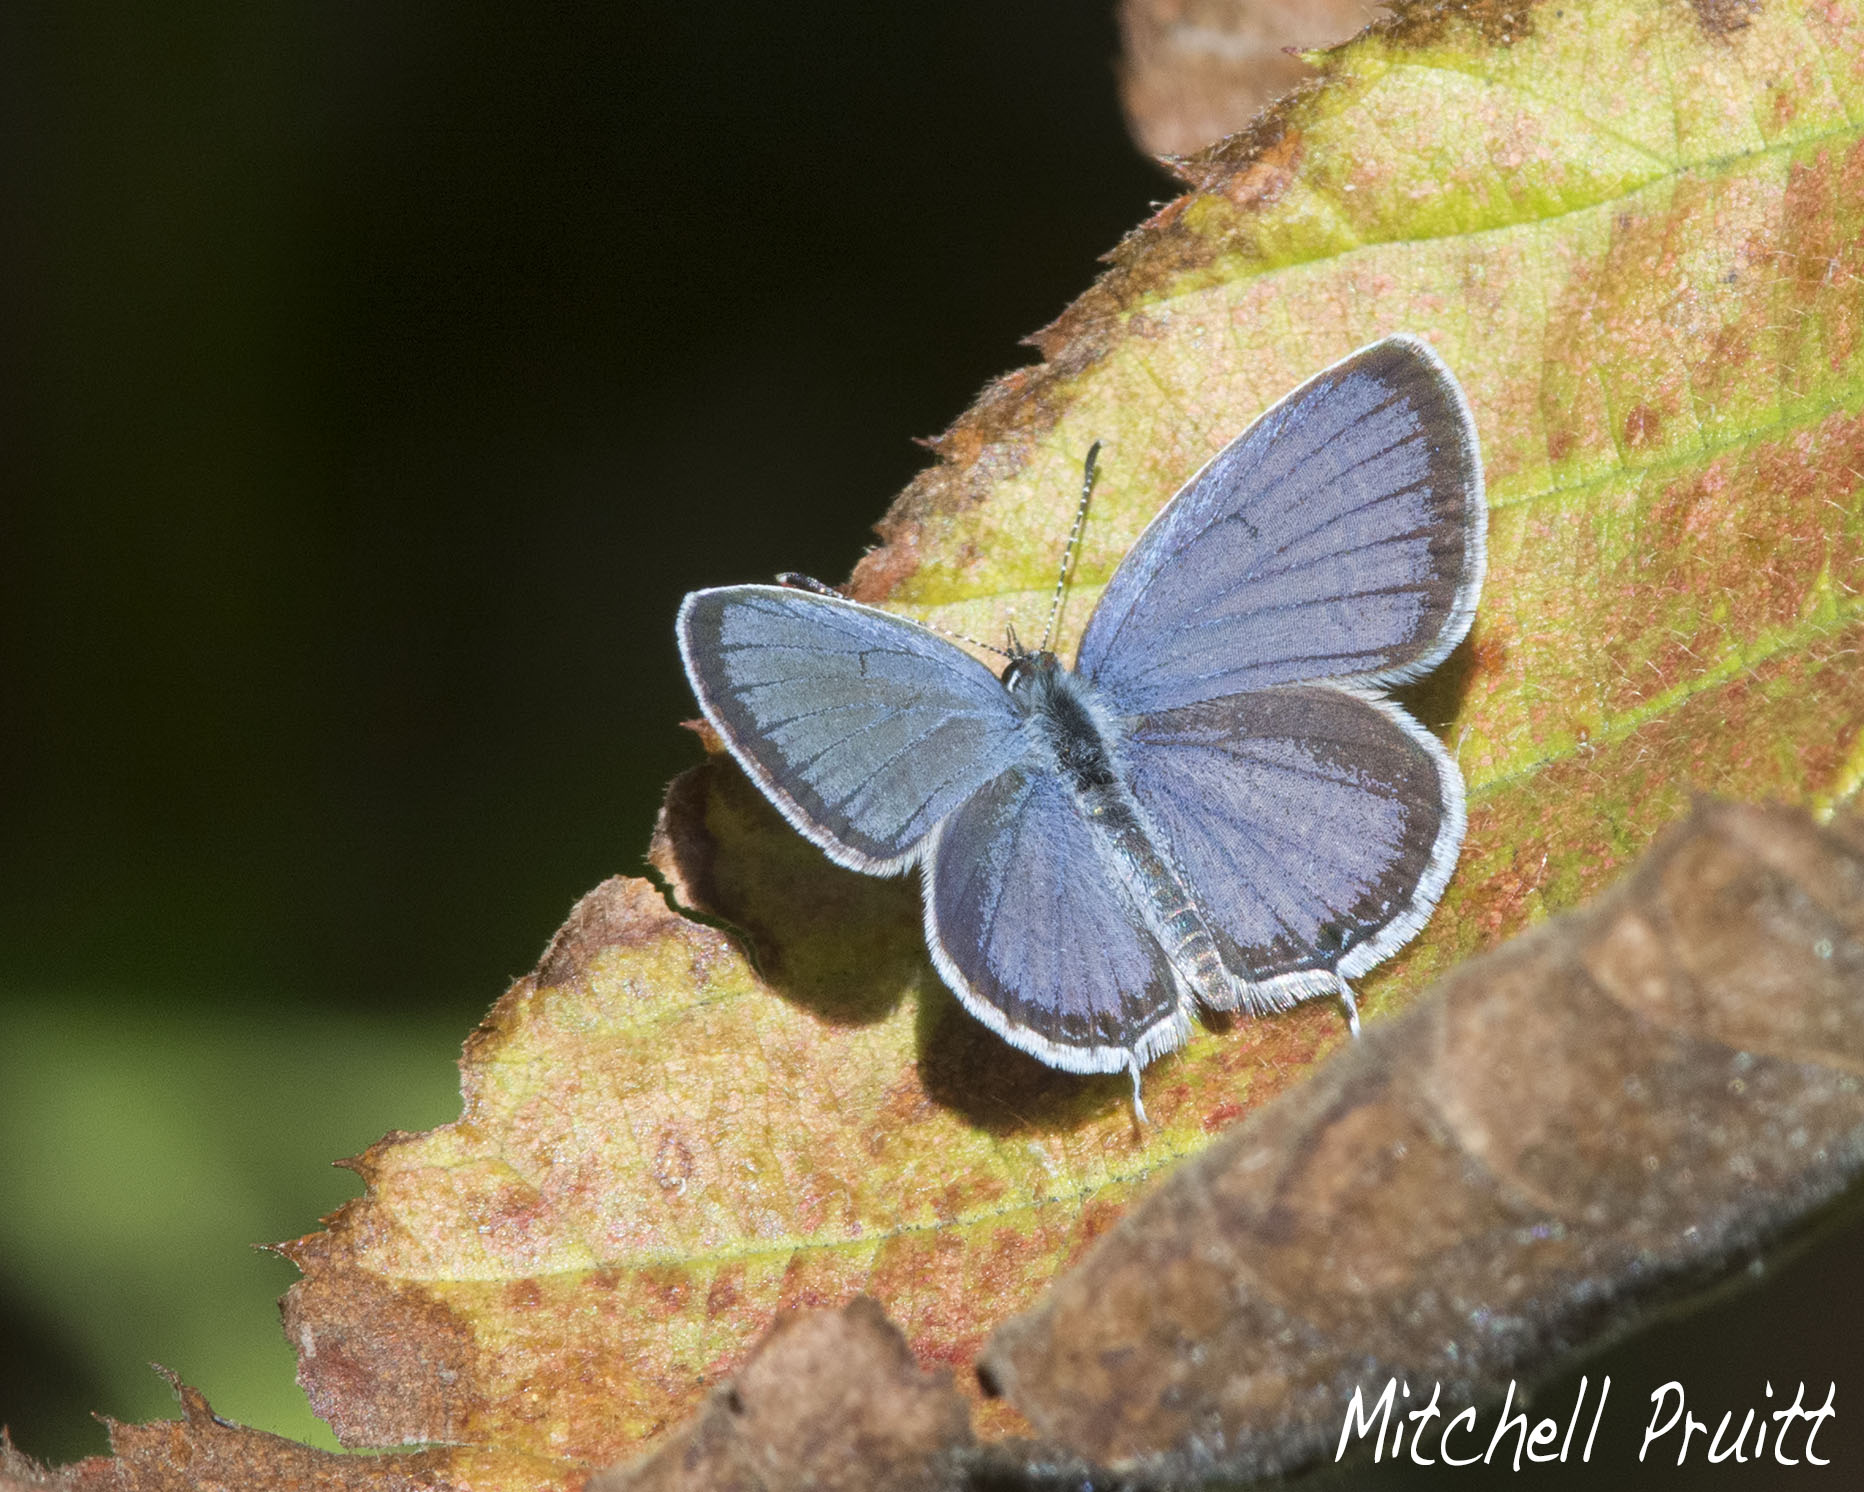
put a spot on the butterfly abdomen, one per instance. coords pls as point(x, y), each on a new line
point(1083, 741)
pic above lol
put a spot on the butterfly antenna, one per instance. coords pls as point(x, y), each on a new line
point(1074, 536)
point(796, 582)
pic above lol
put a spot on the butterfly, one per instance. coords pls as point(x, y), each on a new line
point(1218, 806)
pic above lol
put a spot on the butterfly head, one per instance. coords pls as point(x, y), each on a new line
point(1031, 675)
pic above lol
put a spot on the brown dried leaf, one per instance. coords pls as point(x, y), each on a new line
point(1615, 1108)
point(829, 1400)
point(1197, 70)
point(20, 1473)
point(200, 1452)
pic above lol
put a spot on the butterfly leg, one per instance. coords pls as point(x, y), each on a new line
point(1345, 992)
point(1139, 1107)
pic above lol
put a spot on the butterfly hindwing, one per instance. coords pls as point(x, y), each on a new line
point(865, 729)
point(1341, 536)
point(1316, 828)
point(1030, 928)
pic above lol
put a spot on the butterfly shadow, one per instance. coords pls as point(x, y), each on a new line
point(1437, 698)
point(849, 947)
point(966, 1067)
point(843, 945)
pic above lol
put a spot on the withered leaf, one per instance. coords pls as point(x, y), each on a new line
point(829, 1400)
point(1193, 71)
point(20, 1473)
point(1613, 1109)
point(200, 1452)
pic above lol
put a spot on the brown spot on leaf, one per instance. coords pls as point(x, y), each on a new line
point(1643, 426)
point(662, 1289)
point(673, 1163)
point(1223, 1115)
point(1722, 18)
point(383, 1363)
point(1425, 23)
point(1209, 170)
point(828, 1400)
point(724, 1292)
point(1266, 177)
point(883, 570)
point(1489, 645)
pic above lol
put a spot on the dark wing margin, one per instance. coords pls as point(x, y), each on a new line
point(1341, 536)
point(865, 729)
point(1027, 925)
point(1315, 826)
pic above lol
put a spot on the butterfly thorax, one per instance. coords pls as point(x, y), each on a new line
point(1057, 704)
point(1081, 736)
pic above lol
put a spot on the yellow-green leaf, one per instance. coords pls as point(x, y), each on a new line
point(1633, 230)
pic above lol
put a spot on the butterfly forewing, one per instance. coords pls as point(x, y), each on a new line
point(1030, 928)
point(864, 729)
point(1340, 537)
point(1315, 828)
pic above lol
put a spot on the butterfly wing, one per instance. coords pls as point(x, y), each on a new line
point(864, 729)
point(1029, 927)
point(1316, 825)
point(1341, 536)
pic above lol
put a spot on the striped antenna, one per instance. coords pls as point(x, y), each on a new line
point(1067, 557)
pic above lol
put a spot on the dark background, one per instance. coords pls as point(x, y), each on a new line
point(377, 379)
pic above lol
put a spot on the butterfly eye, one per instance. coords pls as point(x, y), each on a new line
point(1028, 672)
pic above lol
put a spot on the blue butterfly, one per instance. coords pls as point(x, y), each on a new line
point(1218, 805)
